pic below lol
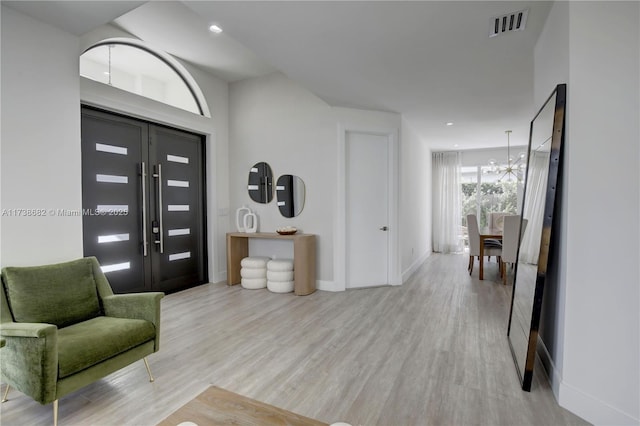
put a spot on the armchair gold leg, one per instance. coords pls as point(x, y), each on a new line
point(146, 364)
point(6, 393)
point(55, 413)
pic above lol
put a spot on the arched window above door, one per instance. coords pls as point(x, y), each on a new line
point(132, 66)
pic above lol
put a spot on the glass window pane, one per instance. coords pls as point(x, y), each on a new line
point(115, 267)
point(177, 232)
point(138, 71)
point(469, 199)
point(497, 197)
point(488, 195)
point(179, 256)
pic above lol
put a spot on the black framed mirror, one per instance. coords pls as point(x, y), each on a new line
point(260, 186)
point(290, 193)
point(546, 136)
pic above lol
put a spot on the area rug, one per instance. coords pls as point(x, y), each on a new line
point(217, 406)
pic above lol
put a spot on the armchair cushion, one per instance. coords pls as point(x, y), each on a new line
point(61, 294)
point(88, 343)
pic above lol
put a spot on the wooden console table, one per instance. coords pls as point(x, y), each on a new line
point(304, 258)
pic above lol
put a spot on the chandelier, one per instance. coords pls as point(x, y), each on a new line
point(514, 169)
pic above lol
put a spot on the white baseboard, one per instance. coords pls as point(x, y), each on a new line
point(555, 379)
point(329, 286)
point(591, 408)
point(320, 284)
point(334, 286)
point(581, 404)
point(414, 266)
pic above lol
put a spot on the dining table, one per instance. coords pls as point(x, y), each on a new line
point(487, 234)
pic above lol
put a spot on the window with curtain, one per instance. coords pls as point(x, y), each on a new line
point(447, 235)
point(484, 193)
point(534, 206)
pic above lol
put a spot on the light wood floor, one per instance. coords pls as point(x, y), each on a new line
point(431, 352)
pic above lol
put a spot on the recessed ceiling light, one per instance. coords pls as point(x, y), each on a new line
point(449, 123)
point(106, 72)
point(215, 29)
point(455, 145)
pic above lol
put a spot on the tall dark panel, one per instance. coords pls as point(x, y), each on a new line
point(143, 201)
point(179, 205)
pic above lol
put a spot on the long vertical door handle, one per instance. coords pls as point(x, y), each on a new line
point(161, 232)
point(145, 243)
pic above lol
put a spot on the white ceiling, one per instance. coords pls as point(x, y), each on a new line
point(431, 61)
point(182, 32)
point(75, 17)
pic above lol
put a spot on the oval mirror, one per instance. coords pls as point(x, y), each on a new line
point(260, 185)
point(290, 194)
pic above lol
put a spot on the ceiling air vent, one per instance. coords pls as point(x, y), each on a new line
point(508, 23)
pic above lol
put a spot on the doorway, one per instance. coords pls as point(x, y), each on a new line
point(341, 254)
point(368, 237)
point(143, 203)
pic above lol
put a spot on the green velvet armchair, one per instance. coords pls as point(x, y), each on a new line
point(64, 328)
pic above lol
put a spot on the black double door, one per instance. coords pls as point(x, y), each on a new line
point(143, 203)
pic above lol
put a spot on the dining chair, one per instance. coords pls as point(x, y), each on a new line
point(510, 240)
point(496, 221)
point(490, 248)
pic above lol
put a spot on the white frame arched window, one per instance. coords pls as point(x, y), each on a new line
point(132, 65)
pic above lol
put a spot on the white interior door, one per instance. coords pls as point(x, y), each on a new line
point(367, 210)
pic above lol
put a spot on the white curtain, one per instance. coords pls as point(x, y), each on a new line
point(534, 206)
point(446, 202)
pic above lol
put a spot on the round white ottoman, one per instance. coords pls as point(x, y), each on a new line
point(253, 273)
point(253, 283)
point(279, 265)
point(254, 262)
point(279, 275)
point(280, 286)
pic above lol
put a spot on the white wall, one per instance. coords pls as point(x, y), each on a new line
point(551, 64)
point(273, 119)
point(415, 200)
point(1, 9)
point(597, 348)
point(602, 335)
point(40, 141)
point(551, 54)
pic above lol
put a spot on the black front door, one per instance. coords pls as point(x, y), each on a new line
point(143, 203)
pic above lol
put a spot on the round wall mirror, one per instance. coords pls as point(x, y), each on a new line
point(260, 185)
point(290, 194)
